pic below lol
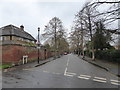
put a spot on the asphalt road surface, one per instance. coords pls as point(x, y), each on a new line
point(69, 71)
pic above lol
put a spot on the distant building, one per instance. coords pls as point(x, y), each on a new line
point(15, 35)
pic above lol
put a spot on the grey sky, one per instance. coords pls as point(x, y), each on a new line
point(36, 14)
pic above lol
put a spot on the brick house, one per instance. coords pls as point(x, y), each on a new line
point(13, 35)
point(15, 43)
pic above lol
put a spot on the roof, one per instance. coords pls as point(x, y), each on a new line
point(11, 30)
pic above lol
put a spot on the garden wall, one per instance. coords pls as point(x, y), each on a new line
point(13, 54)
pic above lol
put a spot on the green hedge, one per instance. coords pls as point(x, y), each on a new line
point(110, 55)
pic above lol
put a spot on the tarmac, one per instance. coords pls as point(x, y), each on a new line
point(112, 67)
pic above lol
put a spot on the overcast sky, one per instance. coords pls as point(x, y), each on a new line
point(37, 13)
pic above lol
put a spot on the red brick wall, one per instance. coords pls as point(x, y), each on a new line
point(14, 54)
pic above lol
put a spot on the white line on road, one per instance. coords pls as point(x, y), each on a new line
point(83, 77)
point(46, 71)
point(65, 70)
point(99, 80)
point(66, 67)
point(115, 83)
point(70, 73)
point(114, 80)
point(68, 61)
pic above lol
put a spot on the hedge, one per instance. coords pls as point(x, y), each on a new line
point(110, 55)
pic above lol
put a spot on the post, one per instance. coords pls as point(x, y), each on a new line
point(55, 39)
point(38, 45)
point(45, 53)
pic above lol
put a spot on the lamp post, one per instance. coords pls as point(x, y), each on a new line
point(45, 52)
point(38, 45)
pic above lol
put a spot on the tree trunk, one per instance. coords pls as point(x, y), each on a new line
point(55, 40)
point(93, 54)
point(90, 28)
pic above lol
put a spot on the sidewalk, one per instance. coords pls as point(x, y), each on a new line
point(28, 65)
point(112, 67)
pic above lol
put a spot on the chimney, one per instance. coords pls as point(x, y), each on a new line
point(22, 27)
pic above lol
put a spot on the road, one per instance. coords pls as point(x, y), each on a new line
point(69, 71)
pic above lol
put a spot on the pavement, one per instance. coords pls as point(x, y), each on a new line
point(28, 65)
point(111, 67)
point(68, 71)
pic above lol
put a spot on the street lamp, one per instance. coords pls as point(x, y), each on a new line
point(38, 45)
point(45, 52)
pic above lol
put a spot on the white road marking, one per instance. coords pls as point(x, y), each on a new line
point(46, 71)
point(65, 70)
point(68, 61)
point(99, 80)
point(114, 80)
point(115, 83)
point(70, 73)
point(83, 77)
point(66, 67)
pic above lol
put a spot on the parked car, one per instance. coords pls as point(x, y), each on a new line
point(65, 53)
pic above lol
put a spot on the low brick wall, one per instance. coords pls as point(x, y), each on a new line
point(13, 54)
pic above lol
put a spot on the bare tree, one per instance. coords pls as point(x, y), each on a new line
point(55, 30)
point(85, 22)
point(90, 14)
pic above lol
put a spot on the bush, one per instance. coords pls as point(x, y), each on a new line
point(88, 53)
point(110, 55)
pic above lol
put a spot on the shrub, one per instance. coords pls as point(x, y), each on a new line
point(110, 55)
point(88, 53)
